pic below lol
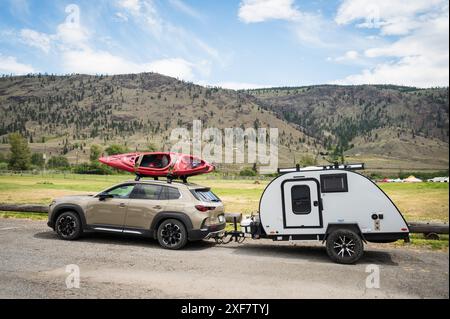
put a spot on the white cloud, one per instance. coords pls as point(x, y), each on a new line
point(183, 7)
point(393, 17)
point(251, 11)
point(176, 67)
point(410, 71)
point(132, 5)
point(36, 39)
point(349, 56)
point(419, 56)
point(145, 12)
point(237, 85)
point(9, 64)
point(101, 62)
point(72, 35)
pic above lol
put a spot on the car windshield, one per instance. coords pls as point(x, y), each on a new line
point(206, 195)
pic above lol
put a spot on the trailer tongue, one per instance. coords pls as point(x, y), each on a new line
point(332, 203)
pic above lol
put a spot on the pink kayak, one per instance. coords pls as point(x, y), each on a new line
point(155, 164)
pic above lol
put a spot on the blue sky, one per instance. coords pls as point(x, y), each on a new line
point(232, 43)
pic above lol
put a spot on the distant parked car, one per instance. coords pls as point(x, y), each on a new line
point(438, 180)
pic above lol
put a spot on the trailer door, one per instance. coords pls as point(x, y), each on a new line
point(301, 204)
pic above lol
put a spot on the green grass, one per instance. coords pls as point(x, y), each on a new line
point(33, 216)
point(418, 241)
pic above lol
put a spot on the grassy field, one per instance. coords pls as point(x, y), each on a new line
point(421, 201)
point(417, 202)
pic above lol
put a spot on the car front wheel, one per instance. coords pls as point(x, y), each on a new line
point(68, 226)
point(172, 234)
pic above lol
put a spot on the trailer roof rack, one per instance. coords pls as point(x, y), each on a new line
point(297, 168)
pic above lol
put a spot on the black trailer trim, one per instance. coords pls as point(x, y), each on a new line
point(385, 237)
point(319, 199)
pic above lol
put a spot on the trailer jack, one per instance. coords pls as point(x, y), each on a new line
point(228, 236)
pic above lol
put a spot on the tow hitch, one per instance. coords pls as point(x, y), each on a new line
point(228, 236)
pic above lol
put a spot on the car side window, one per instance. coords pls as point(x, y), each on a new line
point(147, 191)
point(170, 193)
point(122, 191)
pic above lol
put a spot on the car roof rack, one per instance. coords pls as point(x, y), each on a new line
point(297, 168)
point(169, 178)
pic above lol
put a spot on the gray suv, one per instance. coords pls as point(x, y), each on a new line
point(173, 213)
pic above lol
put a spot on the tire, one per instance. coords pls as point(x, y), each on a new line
point(68, 226)
point(172, 234)
point(344, 246)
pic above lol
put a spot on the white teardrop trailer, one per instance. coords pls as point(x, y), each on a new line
point(333, 204)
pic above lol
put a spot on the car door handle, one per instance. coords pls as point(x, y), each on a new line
point(122, 205)
point(157, 207)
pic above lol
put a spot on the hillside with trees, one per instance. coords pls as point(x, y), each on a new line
point(70, 115)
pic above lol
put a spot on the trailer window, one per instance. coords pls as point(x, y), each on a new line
point(333, 183)
point(301, 199)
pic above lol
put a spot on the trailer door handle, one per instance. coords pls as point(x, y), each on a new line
point(316, 203)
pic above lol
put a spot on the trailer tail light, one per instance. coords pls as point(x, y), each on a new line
point(404, 229)
point(203, 209)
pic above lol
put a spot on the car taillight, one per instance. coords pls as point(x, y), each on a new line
point(203, 208)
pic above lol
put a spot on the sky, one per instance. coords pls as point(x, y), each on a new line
point(232, 43)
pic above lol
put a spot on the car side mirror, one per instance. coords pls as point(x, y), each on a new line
point(102, 197)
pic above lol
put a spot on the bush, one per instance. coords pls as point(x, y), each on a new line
point(247, 172)
point(58, 162)
point(115, 149)
point(92, 168)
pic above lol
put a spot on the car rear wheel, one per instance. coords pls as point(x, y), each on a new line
point(172, 234)
point(344, 246)
point(68, 226)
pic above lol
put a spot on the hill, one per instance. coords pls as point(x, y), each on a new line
point(387, 126)
point(402, 124)
point(65, 114)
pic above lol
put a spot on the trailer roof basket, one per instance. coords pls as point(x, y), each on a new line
point(297, 168)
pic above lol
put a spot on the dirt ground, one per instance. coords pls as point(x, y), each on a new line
point(33, 265)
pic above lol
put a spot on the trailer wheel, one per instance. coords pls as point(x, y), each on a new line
point(344, 246)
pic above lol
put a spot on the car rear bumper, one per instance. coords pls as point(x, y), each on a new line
point(206, 232)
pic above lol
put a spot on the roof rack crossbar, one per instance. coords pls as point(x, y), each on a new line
point(297, 168)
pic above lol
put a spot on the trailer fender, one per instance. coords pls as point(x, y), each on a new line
point(353, 227)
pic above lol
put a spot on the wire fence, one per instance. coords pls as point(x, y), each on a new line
point(67, 174)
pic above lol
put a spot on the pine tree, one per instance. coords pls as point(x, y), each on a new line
point(20, 153)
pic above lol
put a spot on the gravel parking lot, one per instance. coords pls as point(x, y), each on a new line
point(33, 265)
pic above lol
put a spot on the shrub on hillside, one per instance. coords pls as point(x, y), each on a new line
point(247, 172)
point(92, 168)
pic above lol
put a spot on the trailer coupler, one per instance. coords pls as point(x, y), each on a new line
point(228, 236)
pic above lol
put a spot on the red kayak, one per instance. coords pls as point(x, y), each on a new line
point(155, 164)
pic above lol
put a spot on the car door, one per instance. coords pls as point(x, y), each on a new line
point(301, 204)
point(146, 201)
point(110, 211)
